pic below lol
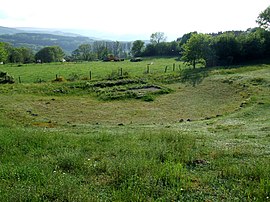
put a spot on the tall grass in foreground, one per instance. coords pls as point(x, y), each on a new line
point(125, 165)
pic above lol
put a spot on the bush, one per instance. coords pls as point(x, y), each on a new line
point(6, 78)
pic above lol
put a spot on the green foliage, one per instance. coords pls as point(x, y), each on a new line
point(50, 54)
point(227, 48)
point(20, 55)
point(83, 53)
point(6, 78)
point(162, 49)
point(182, 40)
point(16, 56)
point(28, 55)
point(3, 52)
point(158, 46)
point(157, 37)
point(264, 18)
point(100, 49)
point(196, 50)
point(253, 45)
point(137, 48)
point(37, 41)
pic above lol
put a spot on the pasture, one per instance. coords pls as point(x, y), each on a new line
point(135, 134)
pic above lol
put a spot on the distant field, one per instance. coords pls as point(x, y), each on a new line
point(31, 73)
point(183, 135)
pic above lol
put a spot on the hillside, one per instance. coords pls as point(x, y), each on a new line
point(7, 30)
point(10, 30)
point(205, 139)
point(37, 41)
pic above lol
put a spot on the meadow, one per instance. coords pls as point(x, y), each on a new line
point(135, 134)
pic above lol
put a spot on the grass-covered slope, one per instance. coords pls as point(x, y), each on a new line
point(207, 139)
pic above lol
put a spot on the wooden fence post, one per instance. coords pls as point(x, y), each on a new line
point(148, 69)
point(166, 69)
point(121, 71)
point(20, 81)
point(90, 75)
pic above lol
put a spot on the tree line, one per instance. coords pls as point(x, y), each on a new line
point(98, 50)
point(101, 50)
point(230, 47)
point(223, 48)
point(227, 48)
point(216, 49)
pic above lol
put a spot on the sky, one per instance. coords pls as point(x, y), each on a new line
point(133, 19)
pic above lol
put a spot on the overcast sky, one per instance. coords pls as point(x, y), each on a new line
point(138, 18)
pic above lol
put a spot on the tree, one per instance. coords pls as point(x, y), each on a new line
point(76, 55)
point(163, 49)
point(16, 56)
point(150, 50)
point(83, 52)
point(21, 55)
point(157, 37)
point(117, 48)
point(252, 45)
point(185, 38)
point(197, 49)
point(264, 19)
point(174, 48)
point(227, 48)
point(50, 54)
point(28, 55)
point(137, 48)
point(3, 52)
point(100, 49)
point(58, 53)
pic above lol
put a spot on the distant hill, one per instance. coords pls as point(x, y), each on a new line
point(7, 30)
point(36, 41)
point(68, 40)
point(48, 31)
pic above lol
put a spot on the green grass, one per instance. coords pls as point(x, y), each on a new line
point(206, 140)
point(30, 73)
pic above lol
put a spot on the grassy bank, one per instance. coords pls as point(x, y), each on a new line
point(207, 139)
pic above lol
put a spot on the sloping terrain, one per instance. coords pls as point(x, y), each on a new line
point(203, 141)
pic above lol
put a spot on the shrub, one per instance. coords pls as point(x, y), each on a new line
point(6, 78)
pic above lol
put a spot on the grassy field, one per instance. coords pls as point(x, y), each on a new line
point(34, 73)
point(183, 135)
